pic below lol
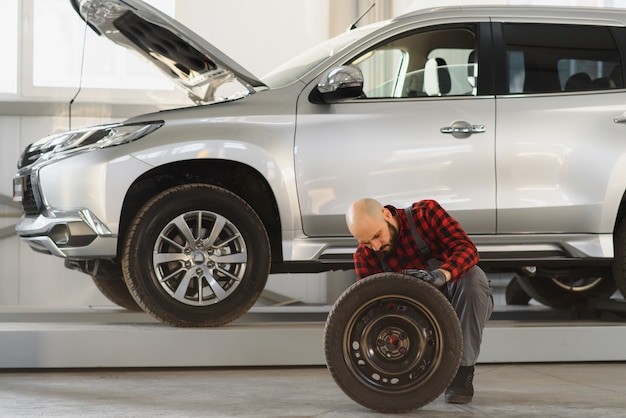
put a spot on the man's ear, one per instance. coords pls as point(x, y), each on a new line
point(387, 214)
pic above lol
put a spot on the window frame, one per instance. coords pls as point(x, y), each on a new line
point(500, 55)
point(8, 95)
point(482, 41)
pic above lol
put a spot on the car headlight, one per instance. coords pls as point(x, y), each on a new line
point(87, 138)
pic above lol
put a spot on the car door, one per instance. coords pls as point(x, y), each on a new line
point(558, 141)
point(422, 130)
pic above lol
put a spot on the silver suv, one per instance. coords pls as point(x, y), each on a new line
point(511, 117)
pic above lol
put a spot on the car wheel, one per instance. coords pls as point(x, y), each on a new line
point(196, 255)
point(619, 261)
point(392, 343)
point(514, 294)
point(563, 293)
point(115, 290)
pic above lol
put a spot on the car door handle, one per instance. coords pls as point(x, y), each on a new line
point(621, 119)
point(462, 129)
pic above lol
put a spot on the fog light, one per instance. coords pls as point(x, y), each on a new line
point(60, 234)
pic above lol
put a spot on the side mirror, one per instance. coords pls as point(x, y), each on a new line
point(338, 84)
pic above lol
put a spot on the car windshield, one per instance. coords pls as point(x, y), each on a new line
point(298, 66)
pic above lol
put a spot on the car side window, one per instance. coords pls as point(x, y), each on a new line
point(436, 62)
point(560, 58)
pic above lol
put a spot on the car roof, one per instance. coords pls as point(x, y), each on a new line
point(517, 13)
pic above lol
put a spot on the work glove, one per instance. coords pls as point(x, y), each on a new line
point(435, 277)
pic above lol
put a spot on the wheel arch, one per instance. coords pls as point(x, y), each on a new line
point(241, 179)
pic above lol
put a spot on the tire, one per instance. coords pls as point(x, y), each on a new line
point(196, 255)
point(514, 294)
point(392, 343)
point(109, 279)
point(560, 292)
point(619, 261)
point(115, 290)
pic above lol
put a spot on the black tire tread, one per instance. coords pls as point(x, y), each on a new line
point(115, 290)
point(619, 261)
point(514, 294)
point(333, 332)
point(545, 291)
point(161, 314)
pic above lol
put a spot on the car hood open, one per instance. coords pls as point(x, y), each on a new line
point(191, 62)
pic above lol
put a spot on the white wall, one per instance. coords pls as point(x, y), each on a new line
point(259, 35)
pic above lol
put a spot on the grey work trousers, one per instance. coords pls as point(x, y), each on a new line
point(472, 300)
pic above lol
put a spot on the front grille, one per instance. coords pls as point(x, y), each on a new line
point(29, 203)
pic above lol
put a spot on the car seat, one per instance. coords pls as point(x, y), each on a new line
point(472, 72)
point(437, 81)
point(578, 81)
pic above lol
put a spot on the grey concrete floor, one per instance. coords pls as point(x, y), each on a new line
point(502, 390)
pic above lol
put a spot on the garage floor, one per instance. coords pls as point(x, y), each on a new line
point(110, 363)
point(504, 390)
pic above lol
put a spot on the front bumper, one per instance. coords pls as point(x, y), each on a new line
point(67, 234)
point(72, 206)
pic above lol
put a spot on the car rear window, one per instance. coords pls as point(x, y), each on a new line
point(544, 58)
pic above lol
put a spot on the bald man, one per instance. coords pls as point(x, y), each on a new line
point(447, 261)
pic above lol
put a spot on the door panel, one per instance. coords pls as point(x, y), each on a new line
point(560, 155)
point(394, 151)
point(556, 163)
point(389, 144)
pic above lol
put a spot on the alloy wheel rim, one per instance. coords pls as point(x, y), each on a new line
point(199, 258)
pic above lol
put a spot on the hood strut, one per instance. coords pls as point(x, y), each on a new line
point(80, 79)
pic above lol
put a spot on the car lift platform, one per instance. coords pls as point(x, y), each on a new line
point(33, 338)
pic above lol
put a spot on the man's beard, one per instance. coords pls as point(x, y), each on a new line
point(390, 249)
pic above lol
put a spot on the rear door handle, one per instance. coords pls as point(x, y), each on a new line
point(620, 119)
point(461, 129)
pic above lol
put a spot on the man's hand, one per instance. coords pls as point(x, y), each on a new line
point(436, 277)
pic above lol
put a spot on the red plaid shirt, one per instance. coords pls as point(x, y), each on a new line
point(447, 241)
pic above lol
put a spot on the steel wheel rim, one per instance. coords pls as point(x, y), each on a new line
point(577, 285)
point(199, 258)
point(393, 344)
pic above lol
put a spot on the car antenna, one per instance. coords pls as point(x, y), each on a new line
point(353, 25)
point(80, 81)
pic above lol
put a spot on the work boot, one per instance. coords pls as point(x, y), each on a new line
point(461, 390)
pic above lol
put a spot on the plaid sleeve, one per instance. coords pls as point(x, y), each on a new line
point(447, 239)
point(366, 263)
